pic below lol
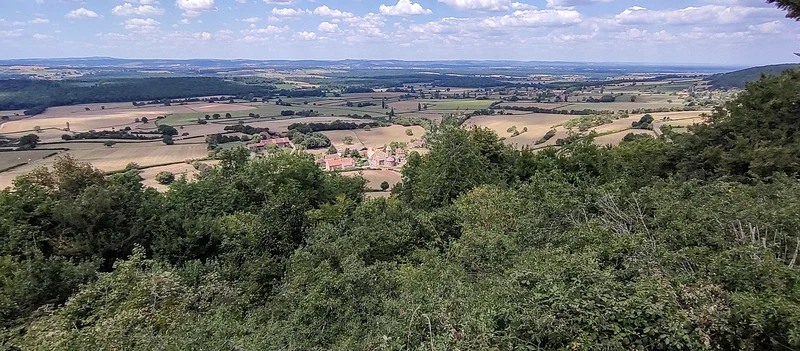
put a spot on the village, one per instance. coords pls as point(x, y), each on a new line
point(391, 157)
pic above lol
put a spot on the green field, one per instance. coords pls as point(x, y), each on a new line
point(458, 104)
point(272, 110)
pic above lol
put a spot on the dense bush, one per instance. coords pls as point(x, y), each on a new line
point(682, 242)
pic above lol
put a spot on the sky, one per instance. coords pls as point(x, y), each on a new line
point(724, 32)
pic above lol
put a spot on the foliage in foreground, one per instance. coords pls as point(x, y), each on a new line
point(683, 242)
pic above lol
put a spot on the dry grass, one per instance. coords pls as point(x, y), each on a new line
point(13, 158)
point(374, 138)
point(538, 125)
point(616, 138)
point(376, 177)
point(115, 115)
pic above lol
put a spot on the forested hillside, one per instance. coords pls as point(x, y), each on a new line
point(23, 94)
point(689, 241)
point(739, 79)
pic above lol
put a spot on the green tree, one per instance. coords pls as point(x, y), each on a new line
point(28, 141)
point(165, 178)
point(385, 185)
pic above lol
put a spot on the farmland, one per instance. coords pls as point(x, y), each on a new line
point(196, 118)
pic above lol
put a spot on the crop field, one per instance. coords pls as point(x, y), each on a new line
point(616, 106)
point(375, 177)
point(616, 138)
point(13, 158)
point(113, 158)
point(116, 116)
point(457, 104)
point(376, 137)
point(537, 123)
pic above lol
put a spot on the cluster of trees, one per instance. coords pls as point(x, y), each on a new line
point(535, 109)
point(646, 122)
point(584, 123)
point(547, 136)
point(215, 139)
point(247, 129)
point(304, 113)
point(360, 104)
point(604, 98)
point(687, 241)
point(357, 89)
point(335, 125)
point(309, 140)
point(124, 134)
point(26, 94)
point(33, 111)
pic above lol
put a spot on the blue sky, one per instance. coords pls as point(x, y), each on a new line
point(681, 31)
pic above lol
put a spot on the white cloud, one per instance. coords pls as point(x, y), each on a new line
point(327, 27)
point(185, 21)
point(38, 20)
point(202, 35)
point(81, 13)
point(10, 33)
point(404, 8)
point(280, 2)
point(128, 9)
point(289, 12)
point(306, 35)
point(141, 25)
point(478, 5)
point(767, 27)
point(703, 15)
point(251, 20)
point(39, 36)
point(192, 8)
point(535, 18)
point(571, 3)
point(326, 11)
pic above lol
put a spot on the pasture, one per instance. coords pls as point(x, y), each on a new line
point(375, 177)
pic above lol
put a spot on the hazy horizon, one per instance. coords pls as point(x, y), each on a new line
point(713, 32)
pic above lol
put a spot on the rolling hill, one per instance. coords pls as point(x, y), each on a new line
point(738, 79)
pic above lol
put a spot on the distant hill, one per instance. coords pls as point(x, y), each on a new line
point(738, 79)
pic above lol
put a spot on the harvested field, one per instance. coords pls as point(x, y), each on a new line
point(13, 158)
point(537, 123)
point(117, 157)
point(374, 138)
point(616, 138)
point(96, 119)
point(386, 135)
point(376, 177)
